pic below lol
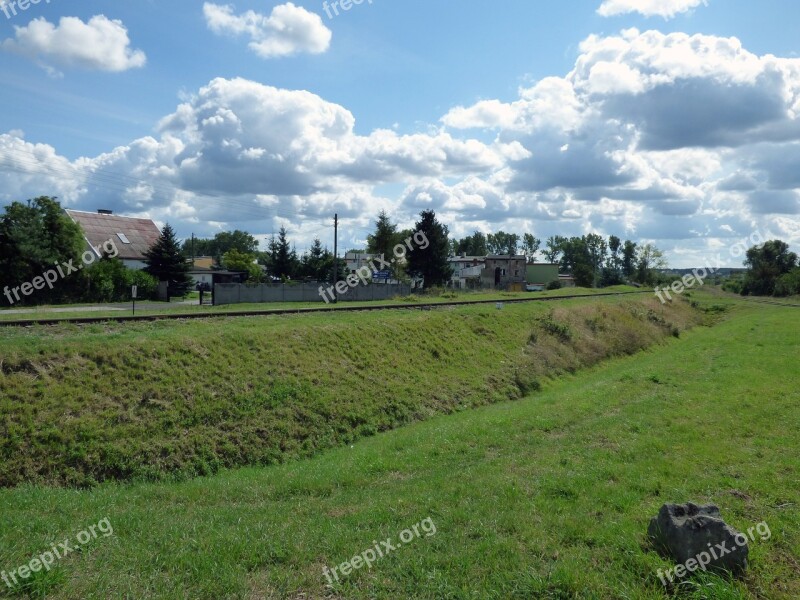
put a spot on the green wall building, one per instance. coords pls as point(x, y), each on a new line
point(542, 273)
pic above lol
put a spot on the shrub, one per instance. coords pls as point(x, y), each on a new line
point(788, 284)
point(110, 281)
point(554, 285)
point(733, 285)
point(559, 330)
point(147, 285)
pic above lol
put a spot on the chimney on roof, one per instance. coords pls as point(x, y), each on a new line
point(104, 211)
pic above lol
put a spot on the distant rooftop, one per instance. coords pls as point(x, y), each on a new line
point(133, 237)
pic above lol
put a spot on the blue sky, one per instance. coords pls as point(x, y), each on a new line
point(359, 112)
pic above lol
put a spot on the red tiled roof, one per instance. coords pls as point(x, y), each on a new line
point(99, 228)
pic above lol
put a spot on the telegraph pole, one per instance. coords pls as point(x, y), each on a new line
point(335, 255)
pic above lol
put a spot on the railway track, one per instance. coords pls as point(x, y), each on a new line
point(294, 311)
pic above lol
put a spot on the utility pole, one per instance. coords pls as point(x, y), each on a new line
point(335, 255)
point(193, 251)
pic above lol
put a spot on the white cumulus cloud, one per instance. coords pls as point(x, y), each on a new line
point(101, 44)
point(288, 30)
point(649, 8)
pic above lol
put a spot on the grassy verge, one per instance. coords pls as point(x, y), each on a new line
point(46, 312)
point(547, 497)
point(79, 405)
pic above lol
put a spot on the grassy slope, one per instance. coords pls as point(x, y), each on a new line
point(547, 497)
point(125, 401)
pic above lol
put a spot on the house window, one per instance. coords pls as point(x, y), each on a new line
point(516, 273)
point(123, 238)
point(504, 272)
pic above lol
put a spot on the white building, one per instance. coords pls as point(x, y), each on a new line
point(467, 271)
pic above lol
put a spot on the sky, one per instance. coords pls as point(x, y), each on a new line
point(672, 122)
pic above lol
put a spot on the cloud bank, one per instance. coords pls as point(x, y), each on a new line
point(686, 141)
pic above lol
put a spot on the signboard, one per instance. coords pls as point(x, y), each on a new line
point(134, 291)
point(382, 275)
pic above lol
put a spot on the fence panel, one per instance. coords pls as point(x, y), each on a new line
point(238, 293)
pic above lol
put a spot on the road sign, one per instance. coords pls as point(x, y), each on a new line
point(134, 290)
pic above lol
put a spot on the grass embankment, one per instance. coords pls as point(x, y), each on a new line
point(147, 400)
point(548, 497)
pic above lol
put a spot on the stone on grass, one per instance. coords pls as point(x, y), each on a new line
point(687, 531)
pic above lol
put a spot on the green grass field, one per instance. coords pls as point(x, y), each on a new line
point(547, 496)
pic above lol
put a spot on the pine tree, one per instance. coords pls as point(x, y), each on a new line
point(430, 262)
point(314, 263)
point(284, 258)
point(385, 238)
point(165, 262)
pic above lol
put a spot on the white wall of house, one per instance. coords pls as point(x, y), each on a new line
point(465, 268)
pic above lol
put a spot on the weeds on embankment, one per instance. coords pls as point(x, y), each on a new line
point(148, 401)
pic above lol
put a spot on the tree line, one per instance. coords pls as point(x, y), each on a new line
point(592, 259)
point(239, 251)
point(37, 234)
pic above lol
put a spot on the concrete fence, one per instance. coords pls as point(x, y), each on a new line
point(238, 293)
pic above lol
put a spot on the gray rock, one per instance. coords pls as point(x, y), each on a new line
point(687, 532)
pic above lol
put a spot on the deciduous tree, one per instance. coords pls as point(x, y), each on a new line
point(33, 237)
point(502, 243)
point(530, 246)
point(765, 265)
